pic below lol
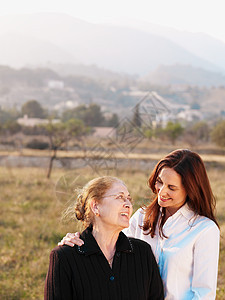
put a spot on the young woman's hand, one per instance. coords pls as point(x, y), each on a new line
point(71, 239)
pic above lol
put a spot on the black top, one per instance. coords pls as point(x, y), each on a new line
point(83, 272)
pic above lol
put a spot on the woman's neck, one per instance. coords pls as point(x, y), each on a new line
point(106, 240)
point(170, 211)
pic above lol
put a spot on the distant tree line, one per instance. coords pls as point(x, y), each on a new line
point(84, 117)
point(91, 114)
point(74, 124)
point(190, 133)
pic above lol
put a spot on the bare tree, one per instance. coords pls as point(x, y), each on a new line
point(59, 134)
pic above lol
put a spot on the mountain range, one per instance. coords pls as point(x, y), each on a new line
point(43, 38)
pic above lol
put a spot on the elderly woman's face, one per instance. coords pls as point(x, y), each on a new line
point(115, 208)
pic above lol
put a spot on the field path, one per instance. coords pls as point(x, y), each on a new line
point(103, 154)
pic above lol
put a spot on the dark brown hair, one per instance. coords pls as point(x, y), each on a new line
point(200, 198)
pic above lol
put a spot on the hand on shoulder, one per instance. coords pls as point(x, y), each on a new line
point(71, 239)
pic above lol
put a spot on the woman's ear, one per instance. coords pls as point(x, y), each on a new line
point(94, 207)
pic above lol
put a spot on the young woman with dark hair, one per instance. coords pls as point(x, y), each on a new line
point(199, 196)
point(180, 226)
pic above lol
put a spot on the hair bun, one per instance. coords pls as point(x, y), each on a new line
point(80, 208)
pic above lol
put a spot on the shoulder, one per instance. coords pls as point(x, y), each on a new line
point(135, 222)
point(140, 211)
point(63, 252)
point(197, 221)
point(139, 214)
point(211, 229)
point(142, 251)
point(139, 244)
point(205, 230)
point(206, 223)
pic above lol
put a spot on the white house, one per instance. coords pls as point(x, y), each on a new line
point(25, 121)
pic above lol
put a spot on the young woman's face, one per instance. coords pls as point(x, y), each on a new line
point(170, 190)
point(115, 209)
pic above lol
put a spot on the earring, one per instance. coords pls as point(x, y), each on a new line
point(97, 214)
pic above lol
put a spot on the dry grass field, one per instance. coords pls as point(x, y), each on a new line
point(31, 224)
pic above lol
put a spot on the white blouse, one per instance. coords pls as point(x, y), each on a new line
point(188, 258)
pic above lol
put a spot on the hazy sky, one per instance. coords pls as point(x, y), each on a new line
point(192, 15)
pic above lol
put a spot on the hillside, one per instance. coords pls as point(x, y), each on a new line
point(63, 88)
point(117, 48)
point(184, 75)
point(198, 43)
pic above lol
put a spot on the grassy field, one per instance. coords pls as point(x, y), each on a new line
point(31, 224)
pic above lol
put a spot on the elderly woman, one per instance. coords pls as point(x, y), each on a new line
point(180, 226)
point(109, 265)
